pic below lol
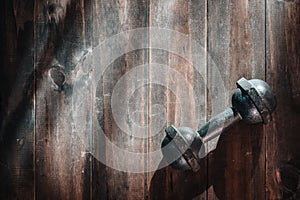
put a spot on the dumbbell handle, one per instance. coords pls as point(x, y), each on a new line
point(186, 141)
point(220, 123)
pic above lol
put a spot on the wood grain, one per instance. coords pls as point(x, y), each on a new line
point(17, 105)
point(114, 17)
point(282, 69)
point(189, 19)
point(60, 161)
point(44, 154)
point(236, 43)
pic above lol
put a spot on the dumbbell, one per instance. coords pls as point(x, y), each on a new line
point(252, 102)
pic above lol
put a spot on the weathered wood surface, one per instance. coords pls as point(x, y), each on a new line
point(236, 41)
point(43, 153)
point(283, 67)
point(17, 101)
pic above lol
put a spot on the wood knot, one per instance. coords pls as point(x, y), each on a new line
point(57, 77)
point(54, 13)
point(288, 178)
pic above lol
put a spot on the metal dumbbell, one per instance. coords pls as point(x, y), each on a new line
point(252, 102)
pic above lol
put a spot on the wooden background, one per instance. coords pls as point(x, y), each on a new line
point(41, 158)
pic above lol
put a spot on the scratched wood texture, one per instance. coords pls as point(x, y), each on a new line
point(48, 88)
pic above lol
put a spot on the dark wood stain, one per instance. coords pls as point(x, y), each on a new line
point(41, 41)
point(283, 66)
point(236, 40)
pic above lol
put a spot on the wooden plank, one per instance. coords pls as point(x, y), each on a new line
point(283, 45)
point(16, 92)
point(98, 187)
point(62, 166)
point(115, 17)
point(236, 45)
point(173, 99)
